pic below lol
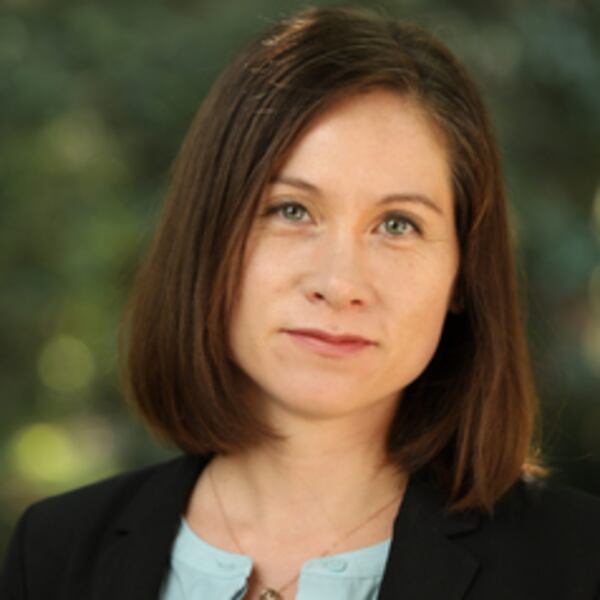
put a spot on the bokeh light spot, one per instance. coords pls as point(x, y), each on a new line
point(44, 452)
point(66, 364)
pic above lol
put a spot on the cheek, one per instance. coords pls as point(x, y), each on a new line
point(266, 272)
point(263, 280)
point(272, 266)
point(419, 279)
point(417, 303)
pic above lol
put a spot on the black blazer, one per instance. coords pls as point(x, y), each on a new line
point(112, 541)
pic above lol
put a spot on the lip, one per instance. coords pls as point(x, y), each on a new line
point(328, 344)
point(332, 338)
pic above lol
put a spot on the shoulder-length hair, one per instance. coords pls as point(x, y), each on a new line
point(472, 415)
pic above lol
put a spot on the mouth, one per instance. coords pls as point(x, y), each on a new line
point(329, 344)
point(332, 338)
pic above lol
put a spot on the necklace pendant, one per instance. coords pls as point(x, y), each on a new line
point(270, 594)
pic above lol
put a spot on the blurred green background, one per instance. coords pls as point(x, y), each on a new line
point(95, 98)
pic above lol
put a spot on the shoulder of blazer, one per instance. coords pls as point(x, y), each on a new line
point(542, 541)
point(59, 539)
point(542, 510)
point(124, 498)
point(547, 532)
point(537, 506)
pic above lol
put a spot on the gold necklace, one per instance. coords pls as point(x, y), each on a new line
point(270, 593)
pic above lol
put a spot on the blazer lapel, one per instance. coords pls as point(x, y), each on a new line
point(424, 563)
point(137, 551)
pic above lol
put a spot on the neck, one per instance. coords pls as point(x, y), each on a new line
point(331, 469)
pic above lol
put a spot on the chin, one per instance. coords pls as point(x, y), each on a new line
point(321, 402)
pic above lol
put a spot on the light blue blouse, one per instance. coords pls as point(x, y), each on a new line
point(200, 571)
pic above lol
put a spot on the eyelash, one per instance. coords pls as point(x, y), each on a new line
point(278, 208)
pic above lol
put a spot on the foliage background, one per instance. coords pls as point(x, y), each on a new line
point(95, 99)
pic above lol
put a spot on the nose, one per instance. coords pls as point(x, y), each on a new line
point(338, 275)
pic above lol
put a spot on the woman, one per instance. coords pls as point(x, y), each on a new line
point(327, 325)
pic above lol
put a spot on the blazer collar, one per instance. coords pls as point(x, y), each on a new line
point(424, 562)
point(137, 552)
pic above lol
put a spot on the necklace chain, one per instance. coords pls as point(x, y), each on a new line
point(270, 593)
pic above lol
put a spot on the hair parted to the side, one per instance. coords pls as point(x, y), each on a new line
point(472, 415)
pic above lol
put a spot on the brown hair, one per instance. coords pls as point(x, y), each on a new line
point(472, 414)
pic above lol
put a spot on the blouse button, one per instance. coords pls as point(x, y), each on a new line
point(336, 564)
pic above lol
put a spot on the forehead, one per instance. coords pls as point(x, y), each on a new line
point(375, 142)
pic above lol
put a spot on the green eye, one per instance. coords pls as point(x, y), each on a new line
point(290, 211)
point(398, 225)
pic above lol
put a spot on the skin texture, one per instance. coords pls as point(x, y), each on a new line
point(334, 260)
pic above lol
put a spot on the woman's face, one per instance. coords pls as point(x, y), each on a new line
point(355, 235)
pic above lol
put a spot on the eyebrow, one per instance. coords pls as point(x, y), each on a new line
point(387, 199)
